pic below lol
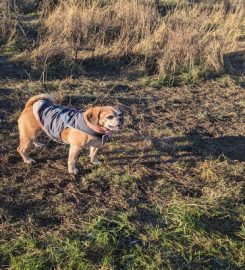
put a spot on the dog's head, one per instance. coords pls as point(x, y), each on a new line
point(108, 117)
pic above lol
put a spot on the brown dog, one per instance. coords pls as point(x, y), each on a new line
point(79, 129)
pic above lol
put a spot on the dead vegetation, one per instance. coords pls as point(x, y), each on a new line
point(191, 39)
point(186, 42)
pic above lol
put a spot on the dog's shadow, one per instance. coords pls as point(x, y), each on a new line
point(230, 147)
point(192, 147)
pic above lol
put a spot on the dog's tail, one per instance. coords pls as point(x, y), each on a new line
point(32, 100)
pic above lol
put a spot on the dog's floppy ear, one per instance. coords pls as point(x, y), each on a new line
point(93, 115)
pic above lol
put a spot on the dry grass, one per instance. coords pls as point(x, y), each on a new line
point(196, 36)
point(116, 28)
point(192, 39)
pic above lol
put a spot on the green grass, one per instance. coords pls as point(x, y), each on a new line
point(181, 240)
point(184, 76)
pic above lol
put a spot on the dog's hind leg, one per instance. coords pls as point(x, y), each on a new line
point(23, 147)
point(28, 135)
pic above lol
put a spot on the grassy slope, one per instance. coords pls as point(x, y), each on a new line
point(167, 196)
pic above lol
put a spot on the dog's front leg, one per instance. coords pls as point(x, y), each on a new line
point(93, 158)
point(73, 154)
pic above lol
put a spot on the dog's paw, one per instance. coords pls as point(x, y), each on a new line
point(38, 144)
point(73, 171)
point(29, 160)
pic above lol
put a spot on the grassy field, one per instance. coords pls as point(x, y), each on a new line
point(169, 193)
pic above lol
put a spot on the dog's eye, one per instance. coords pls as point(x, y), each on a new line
point(110, 117)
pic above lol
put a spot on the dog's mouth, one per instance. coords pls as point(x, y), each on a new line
point(117, 127)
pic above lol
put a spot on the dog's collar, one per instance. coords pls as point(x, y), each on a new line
point(96, 128)
point(98, 131)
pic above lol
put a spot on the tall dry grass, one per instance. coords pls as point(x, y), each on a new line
point(191, 36)
point(196, 36)
point(8, 20)
point(115, 28)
